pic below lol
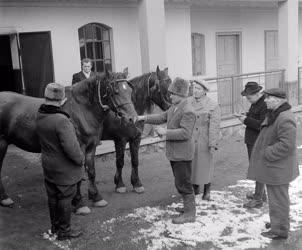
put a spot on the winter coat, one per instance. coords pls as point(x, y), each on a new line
point(180, 123)
point(62, 157)
point(77, 77)
point(206, 135)
point(254, 118)
point(273, 160)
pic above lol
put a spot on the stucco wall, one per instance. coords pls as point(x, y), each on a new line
point(250, 22)
point(63, 22)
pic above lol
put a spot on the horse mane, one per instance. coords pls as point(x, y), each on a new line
point(140, 91)
point(88, 87)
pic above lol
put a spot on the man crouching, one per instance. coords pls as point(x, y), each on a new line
point(62, 160)
point(274, 161)
point(180, 119)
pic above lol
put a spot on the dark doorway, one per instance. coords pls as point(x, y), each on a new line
point(10, 77)
point(37, 62)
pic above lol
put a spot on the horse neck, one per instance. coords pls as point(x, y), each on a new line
point(140, 92)
point(80, 105)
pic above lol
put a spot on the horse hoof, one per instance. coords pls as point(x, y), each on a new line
point(83, 211)
point(101, 203)
point(8, 202)
point(121, 190)
point(139, 190)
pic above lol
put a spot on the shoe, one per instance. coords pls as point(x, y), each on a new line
point(206, 192)
point(270, 234)
point(83, 211)
point(180, 210)
point(253, 204)
point(196, 189)
point(250, 196)
point(73, 233)
point(189, 214)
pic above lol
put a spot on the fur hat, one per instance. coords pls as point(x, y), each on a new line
point(179, 87)
point(54, 92)
point(203, 84)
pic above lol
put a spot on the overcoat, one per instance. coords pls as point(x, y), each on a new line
point(206, 135)
point(273, 160)
point(77, 77)
point(62, 157)
point(180, 124)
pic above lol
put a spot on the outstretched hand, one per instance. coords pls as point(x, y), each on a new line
point(161, 131)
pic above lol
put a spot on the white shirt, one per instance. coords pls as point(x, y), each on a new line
point(87, 75)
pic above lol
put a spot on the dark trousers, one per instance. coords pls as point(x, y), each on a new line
point(259, 187)
point(182, 176)
point(278, 202)
point(59, 203)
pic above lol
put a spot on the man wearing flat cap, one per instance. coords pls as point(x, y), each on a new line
point(274, 162)
point(252, 120)
point(62, 160)
point(180, 119)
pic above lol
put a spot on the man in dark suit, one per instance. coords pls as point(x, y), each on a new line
point(85, 73)
point(252, 120)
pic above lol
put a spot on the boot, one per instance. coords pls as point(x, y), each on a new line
point(253, 204)
point(189, 210)
point(73, 233)
point(206, 192)
point(196, 189)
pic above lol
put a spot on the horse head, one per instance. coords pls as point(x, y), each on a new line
point(159, 82)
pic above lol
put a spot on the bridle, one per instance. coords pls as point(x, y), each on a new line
point(157, 82)
point(111, 86)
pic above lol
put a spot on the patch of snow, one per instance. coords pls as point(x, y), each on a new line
point(65, 245)
point(299, 147)
point(223, 221)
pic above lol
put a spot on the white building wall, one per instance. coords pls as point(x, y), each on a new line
point(250, 22)
point(63, 22)
point(178, 41)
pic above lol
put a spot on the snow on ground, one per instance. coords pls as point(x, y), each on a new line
point(222, 223)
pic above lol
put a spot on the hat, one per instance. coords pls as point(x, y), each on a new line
point(203, 84)
point(54, 92)
point(179, 87)
point(280, 93)
point(251, 88)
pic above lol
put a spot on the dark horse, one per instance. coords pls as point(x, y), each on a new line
point(146, 89)
point(88, 103)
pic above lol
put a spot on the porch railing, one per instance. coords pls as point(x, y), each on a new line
point(228, 88)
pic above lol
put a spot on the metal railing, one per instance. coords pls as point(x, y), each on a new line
point(229, 88)
point(299, 85)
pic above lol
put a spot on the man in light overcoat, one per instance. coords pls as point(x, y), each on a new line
point(274, 162)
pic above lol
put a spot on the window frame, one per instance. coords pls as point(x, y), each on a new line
point(195, 71)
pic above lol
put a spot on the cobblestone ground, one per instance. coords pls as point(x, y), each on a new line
point(133, 221)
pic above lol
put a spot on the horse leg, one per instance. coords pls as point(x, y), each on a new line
point(120, 146)
point(4, 199)
point(135, 181)
point(93, 192)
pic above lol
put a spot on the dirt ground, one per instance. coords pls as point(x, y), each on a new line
point(21, 227)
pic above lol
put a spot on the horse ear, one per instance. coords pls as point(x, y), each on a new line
point(125, 71)
point(166, 72)
point(157, 70)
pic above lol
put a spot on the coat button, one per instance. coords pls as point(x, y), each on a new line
point(196, 128)
point(198, 116)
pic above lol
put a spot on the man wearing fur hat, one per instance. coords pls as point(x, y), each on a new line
point(180, 119)
point(274, 160)
point(62, 160)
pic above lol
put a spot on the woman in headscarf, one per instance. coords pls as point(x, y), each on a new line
point(206, 136)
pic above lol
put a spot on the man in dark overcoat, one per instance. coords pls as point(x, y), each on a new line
point(85, 73)
point(274, 161)
point(62, 160)
point(252, 120)
point(180, 119)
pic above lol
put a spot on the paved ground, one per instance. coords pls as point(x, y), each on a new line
point(121, 223)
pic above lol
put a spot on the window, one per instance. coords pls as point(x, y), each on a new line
point(198, 54)
point(95, 44)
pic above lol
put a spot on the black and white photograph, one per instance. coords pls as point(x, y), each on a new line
point(150, 124)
